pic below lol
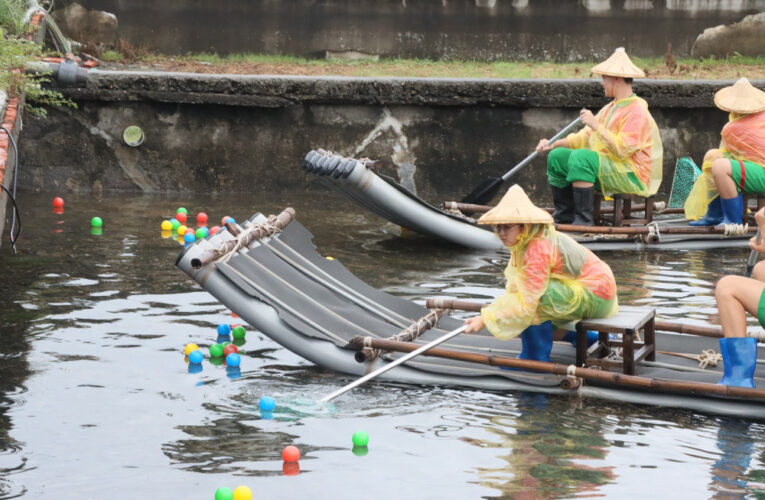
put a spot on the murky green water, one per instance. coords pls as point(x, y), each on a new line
point(96, 400)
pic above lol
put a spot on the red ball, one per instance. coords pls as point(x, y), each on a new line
point(229, 349)
point(223, 220)
point(181, 217)
point(291, 454)
point(58, 202)
point(214, 229)
point(201, 218)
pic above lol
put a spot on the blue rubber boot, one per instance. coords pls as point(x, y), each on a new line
point(570, 336)
point(536, 342)
point(732, 209)
point(739, 361)
point(713, 216)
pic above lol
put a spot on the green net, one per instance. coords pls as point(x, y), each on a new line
point(686, 173)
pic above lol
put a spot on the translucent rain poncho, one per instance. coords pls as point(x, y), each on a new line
point(550, 277)
point(626, 141)
point(743, 138)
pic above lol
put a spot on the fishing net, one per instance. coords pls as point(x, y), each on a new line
point(686, 173)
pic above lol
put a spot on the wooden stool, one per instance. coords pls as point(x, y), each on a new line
point(623, 207)
point(629, 321)
point(760, 203)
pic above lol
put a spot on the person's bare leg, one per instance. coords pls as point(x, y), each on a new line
point(735, 296)
point(585, 184)
point(721, 172)
point(758, 273)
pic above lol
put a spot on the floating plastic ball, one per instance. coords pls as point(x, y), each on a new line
point(202, 233)
point(242, 493)
point(230, 349)
point(224, 494)
point(58, 202)
point(182, 210)
point(167, 225)
point(233, 359)
point(182, 229)
point(201, 218)
point(96, 222)
point(290, 468)
point(291, 454)
point(224, 219)
point(176, 224)
point(238, 332)
point(360, 438)
point(214, 229)
point(224, 329)
point(181, 217)
point(196, 357)
point(216, 350)
point(189, 237)
point(267, 403)
point(189, 348)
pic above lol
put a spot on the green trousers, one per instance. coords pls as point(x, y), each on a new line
point(565, 166)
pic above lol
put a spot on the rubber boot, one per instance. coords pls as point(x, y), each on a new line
point(570, 336)
point(583, 206)
point(563, 198)
point(713, 216)
point(732, 209)
point(739, 361)
point(536, 342)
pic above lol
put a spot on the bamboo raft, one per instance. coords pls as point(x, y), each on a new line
point(268, 272)
point(452, 221)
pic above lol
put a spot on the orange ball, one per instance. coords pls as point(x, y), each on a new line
point(291, 454)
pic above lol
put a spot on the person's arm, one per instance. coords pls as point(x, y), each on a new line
point(545, 145)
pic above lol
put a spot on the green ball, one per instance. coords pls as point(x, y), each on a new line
point(96, 222)
point(182, 210)
point(238, 332)
point(224, 494)
point(360, 438)
point(175, 224)
point(216, 350)
point(200, 233)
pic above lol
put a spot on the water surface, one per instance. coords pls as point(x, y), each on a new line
point(96, 400)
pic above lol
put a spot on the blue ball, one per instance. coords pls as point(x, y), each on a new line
point(196, 357)
point(267, 403)
point(189, 237)
point(231, 220)
point(233, 359)
point(224, 329)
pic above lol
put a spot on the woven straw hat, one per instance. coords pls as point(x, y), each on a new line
point(516, 208)
point(619, 64)
point(741, 97)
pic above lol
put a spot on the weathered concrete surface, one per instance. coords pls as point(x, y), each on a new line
point(564, 30)
point(746, 38)
point(250, 133)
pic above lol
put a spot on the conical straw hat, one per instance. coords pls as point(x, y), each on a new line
point(516, 208)
point(619, 64)
point(741, 97)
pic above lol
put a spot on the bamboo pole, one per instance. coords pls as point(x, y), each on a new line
point(255, 232)
point(472, 208)
point(407, 334)
point(571, 228)
point(611, 378)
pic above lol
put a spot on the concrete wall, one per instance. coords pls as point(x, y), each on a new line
point(246, 133)
point(565, 30)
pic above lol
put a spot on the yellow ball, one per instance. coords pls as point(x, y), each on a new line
point(242, 493)
point(190, 347)
point(330, 257)
point(167, 225)
point(182, 230)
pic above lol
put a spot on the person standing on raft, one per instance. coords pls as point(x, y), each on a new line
point(738, 165)
point(737, 295)
point(618, 151)
point(551, 279)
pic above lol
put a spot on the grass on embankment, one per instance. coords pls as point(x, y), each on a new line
point(687, 68)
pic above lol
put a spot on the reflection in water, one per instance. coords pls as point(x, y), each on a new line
point(542, 455)
point(729, 471)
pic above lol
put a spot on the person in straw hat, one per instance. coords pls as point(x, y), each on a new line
point(550, 278)
point(618, 151)
point(738, 165)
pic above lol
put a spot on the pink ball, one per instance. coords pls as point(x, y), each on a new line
point(291, 454)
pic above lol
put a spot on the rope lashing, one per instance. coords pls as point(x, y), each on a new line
point(708, 357)
point(241, 240)
point(408, 334)
point(653, 236)
point(735, 229)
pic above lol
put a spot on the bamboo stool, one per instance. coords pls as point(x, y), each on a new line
point(623, 210)
point(629, 321)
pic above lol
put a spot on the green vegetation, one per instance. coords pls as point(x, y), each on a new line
point(15, 52)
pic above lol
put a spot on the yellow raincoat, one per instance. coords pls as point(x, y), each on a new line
point(743, 138)
point(627, 142)
point(550, 277)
